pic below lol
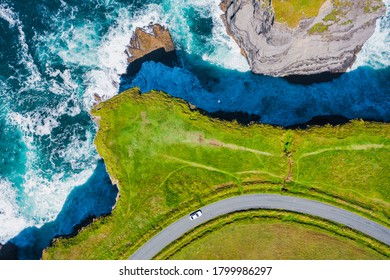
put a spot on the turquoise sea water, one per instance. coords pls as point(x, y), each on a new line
point(57, 56)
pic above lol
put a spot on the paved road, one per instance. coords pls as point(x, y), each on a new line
point(261, 201)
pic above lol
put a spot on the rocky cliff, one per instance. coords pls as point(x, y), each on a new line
point(145, 41)
point(326, 42)
point(151, 43)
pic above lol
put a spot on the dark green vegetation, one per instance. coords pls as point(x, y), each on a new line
point(169, 161)
point(265, 234)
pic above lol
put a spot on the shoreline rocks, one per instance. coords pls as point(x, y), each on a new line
point(327, 43)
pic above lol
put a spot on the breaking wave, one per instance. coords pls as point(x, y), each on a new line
point(376, 51)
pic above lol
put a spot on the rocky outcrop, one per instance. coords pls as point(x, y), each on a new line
point(151, 43)
point(143, 42)
point(327, 42)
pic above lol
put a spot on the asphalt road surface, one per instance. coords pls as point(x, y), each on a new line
point(261, 201)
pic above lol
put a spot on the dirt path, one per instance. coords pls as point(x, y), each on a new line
point(202, 166)
point(347, 148)
point(200, 140)
point(289, 177)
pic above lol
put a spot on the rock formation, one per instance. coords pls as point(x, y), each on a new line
point(327, 42)
point(152, 43)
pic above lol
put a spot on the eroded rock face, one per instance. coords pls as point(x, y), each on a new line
point(328, 42)
point(151, 43)
point(143, 42)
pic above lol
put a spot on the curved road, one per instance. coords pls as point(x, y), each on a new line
point(261, 201)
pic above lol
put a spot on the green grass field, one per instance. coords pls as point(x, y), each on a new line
point(169, 161)
point(276, 239)
point(292, 11)
point(352, 163)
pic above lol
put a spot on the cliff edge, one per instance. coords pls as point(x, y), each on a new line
point(326, 40)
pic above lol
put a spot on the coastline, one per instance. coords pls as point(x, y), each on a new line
point(57, 126)
point(186, 107)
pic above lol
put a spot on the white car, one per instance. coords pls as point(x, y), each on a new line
point(196, 214)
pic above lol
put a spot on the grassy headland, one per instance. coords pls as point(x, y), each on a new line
point(170, 160)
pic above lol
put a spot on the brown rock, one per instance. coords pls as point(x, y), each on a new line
point(143, 43)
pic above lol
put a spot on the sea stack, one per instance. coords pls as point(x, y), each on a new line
point(324, 41)
point(151, 43)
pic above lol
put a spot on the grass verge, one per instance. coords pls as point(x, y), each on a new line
point(266, 234)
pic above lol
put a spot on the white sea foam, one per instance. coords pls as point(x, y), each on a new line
point(220, 48)
point(44, 192)
point(11, 222)
point(7, 14)
point(98, 86)
point(111, 51)
point(34, 79)
point(44, 198)
point(44, 189)
point(34, 123)
point(102, 81)
point(79, 152)
point(67, 84)
point(111, 60)
point(376, 51)
point(224, 52)
point(79, 45)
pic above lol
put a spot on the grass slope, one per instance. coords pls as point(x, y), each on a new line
point(170, 160)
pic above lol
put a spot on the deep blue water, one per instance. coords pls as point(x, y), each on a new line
point(361, 93)
point(92, 199)
point(58, 56)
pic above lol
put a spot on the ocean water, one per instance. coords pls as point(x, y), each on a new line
point(59, 56)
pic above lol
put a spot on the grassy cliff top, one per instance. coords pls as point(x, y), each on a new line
point(170, 160)
point(292, 12)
